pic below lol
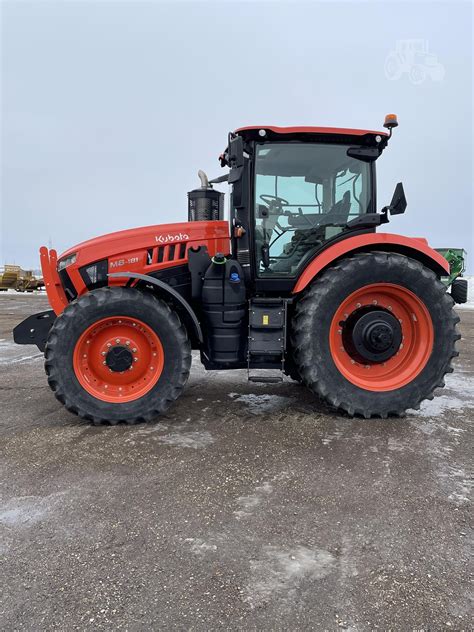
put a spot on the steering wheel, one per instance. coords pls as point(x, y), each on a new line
point(268, 199)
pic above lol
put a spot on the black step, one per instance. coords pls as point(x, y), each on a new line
point(266, 379)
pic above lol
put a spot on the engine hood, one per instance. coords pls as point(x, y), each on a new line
point(139, 239)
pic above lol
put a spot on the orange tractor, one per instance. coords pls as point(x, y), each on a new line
point(298, 281)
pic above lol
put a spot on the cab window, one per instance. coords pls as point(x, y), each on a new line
point(305, 193)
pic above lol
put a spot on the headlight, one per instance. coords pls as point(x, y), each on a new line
point(67, 261)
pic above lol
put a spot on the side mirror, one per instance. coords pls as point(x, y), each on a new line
point(399, 201)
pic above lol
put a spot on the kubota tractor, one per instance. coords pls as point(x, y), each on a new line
point(303, 284)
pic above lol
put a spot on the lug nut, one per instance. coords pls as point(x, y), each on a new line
point(103, 352)
point(104, 362)
point(128, 343)
point(134, 349)
point(117, 340)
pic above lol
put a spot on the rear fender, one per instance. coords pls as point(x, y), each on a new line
point(168, 293)
point(416, 248)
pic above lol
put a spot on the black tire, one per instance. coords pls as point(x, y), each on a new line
point(104, 303)
point(314, 313)
point(459, 290)
point(291, 371)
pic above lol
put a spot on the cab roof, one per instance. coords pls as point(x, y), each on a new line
point(346, 131)
point(331, 134)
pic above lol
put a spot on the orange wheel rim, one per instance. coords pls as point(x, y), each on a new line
point(118, 359)
point(413, 352)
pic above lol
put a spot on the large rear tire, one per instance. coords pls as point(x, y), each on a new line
point(117, 355)
point(375, 334)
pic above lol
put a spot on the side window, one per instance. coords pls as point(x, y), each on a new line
point(305, 194)
point(348, 188)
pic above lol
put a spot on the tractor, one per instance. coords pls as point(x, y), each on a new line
point(297, 282)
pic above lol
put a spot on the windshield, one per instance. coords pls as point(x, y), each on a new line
point(305, 193)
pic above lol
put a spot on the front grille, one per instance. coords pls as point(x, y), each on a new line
point(170, 252)
point(94, 275)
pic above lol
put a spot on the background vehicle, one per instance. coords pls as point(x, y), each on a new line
point(14, 278)
point(304, 284)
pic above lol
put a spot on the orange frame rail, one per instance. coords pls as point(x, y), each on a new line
point(49, 261)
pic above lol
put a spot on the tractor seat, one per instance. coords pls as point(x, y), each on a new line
point(339, 214)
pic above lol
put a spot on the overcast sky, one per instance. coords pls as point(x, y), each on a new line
point(110, 108)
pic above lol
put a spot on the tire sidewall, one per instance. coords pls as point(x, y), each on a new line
point(133, 304)
point(321, 367)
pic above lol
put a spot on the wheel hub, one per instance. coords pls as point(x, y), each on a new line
point(119, 359)
point(377, 321)
point(374, 336)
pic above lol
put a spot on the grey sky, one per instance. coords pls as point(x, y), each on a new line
point(110, 108)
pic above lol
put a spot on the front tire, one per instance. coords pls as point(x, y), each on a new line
point(117, 355)
point(374, 335)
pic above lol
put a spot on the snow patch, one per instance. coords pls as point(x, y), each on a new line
point(462, 384)
point(195, 439)
point(457, 481)
point(23, 511)
point(258, 404)
point(281, 571)
point(199, 547)
point(248, 503)
point(11, 353)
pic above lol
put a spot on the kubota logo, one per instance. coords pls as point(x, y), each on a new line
point(166, 239)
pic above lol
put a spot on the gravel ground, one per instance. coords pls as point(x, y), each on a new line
point(247, 507)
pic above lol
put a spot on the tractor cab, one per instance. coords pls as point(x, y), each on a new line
point(296, 190)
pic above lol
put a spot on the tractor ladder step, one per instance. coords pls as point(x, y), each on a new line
point(267, 338)
point(266, 379)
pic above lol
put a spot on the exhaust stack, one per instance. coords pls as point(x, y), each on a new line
point(205, 204)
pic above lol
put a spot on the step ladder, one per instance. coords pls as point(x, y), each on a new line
point(267, 338)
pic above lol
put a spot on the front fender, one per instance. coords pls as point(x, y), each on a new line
point(414, 247)
point(166, 289)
